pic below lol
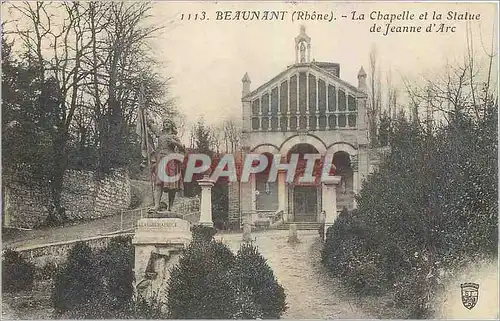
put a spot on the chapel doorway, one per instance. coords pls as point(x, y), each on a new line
point(305, 203)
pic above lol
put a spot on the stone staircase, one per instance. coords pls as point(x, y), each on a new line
point(300, 226)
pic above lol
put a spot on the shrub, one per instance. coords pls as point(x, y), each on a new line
point(77, 282)
point(199, 286)
point(351, 253)
point(202, 233)
point(47, 272)
point(17, 273)
point(210, 282)
point(431, 202)
point(255, 279)
point(116, 270)
point(321, 230)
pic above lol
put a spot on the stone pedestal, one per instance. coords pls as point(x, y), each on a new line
point(282, 192)
point(206, 202)
point(292, 234)
point(330, 200)
point(247, 228)
point(158, 243)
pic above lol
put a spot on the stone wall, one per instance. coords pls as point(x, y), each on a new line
point(57, 252)
point(185, 205)
point(234, 201)
point(84, 197)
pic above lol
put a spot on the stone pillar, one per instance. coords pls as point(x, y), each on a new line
point(355, 178)
point(282, 192)
point(292, 234)
point(206, 201)
point(355, 186)
point(247, 229)
point(330, 200)
point(158, 244)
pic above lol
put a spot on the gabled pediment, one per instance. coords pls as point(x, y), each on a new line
point(311, 68)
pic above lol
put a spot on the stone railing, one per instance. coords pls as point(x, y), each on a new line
point(278, 218)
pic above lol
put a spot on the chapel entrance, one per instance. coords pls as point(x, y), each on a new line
point(305, 203)
point(305, 196)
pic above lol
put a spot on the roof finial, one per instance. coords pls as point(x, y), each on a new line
point(246, 84)
point(302, 44)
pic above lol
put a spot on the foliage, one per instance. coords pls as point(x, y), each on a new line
point(210, 282)
point(27, 119)
point(77, 282)
point(384, 130)
point(202, 233)
point(96, 284)
point(75, 105)
point(47, 272)
point(438, 206)
point(220, 205)
point(349, 252)
point(254, 277)
point(199, 286)
point(17, 273)
point(116, 263)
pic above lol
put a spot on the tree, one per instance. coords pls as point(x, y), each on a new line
point(384, 130)
point(438, 208)
point(231, 133)
point(87, 60)
point(29, 111)
point(202, 138)
point(375, 98)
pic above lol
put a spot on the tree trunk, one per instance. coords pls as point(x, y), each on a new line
point(57, 213)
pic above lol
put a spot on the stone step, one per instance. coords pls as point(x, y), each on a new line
point(300, 226)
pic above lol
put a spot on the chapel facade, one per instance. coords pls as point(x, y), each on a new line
point(305, 109)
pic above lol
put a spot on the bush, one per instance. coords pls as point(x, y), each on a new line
point(432, 201)
point(349, 254)
point(17, 273)
point(47, 272)
point(116, 270)
point(211, 283)
point(255, 279)
point(199, 286)
point(96, 285)
point(202, 233)
point(77, 282)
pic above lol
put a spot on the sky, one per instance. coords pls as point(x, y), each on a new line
point(207, 59)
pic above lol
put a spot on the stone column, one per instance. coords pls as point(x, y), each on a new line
point(282, 193)
point(355, 178)
point(330, 200)
point(355, 187)
point(206, 201)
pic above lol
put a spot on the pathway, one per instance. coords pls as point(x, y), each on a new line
point(311, 293)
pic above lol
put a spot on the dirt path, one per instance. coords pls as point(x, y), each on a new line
point(311, 293)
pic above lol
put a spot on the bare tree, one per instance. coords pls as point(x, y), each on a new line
point(68, 44)
point(97, 55)
point(231, 136)
point(375, 102)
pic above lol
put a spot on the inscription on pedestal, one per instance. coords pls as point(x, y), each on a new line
point(162, 231)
